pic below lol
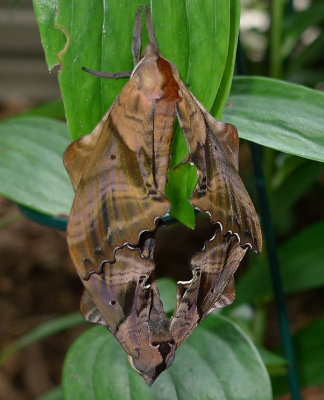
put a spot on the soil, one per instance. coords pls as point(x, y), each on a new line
point(37, 283)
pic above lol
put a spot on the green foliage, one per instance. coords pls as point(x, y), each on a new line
point(201, 42)
point(308, 345)
point(278, 115)
point(233, 370)
point(301, 262)
point(41, 332)
point(31, 167)
point(297, 23)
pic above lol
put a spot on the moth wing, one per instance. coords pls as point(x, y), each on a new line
point(89, 310)
point(117, 292)
point(146, 338)
point(117, 197)
point(226, 298)
point(211, 287)
point(186, 316)
point(217, 263)
point(213, 146)
point(78, 152)
point(121, 299)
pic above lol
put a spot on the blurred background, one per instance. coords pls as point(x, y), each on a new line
point(37, 278)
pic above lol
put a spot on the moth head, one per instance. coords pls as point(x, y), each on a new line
point(151, 49)
point(153, 360)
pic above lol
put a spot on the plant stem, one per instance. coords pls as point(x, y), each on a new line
point(259, 321)
point(279, 296)
point(277, 11)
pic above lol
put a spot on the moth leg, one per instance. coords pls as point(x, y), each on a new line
point(116, 75)
point(137, 37)
point(150, 26)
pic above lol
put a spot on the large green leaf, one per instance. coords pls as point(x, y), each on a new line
point(31, 167)
point(301, 264)
point(308, 346)
point(279, 115)
point(217, 361)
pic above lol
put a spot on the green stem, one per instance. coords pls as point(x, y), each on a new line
point(277, 11)
point(269, 158)
point(259, 322)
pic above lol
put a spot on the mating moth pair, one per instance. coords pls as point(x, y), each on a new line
point(119, 173)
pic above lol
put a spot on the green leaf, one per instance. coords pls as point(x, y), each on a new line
point(277, 114)
point(297, 23)
point(168, 293)
point(284, 197)
point(301, 265)
point(53, 39)
point(181, 184)
point(54, 394)
point(226, 83)
point(275, 363)
point(41, 332)
point(54, 109)
point(217, 361)
point(31, 167)
point(308, 344)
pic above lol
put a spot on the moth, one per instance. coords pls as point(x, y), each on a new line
point(119, 172)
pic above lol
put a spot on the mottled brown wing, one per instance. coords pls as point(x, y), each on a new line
point(77, 154)
point(211, 287)
point(117, 292)
point(213, 146)
point(121, 299)
point(117, 196)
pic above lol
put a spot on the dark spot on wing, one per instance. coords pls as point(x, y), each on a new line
point(98, 252)
point(87, 263)
point(128, 299)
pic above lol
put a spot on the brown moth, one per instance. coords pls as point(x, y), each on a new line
point(119, 173)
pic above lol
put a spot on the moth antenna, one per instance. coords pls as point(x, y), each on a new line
point(122, 74)
point(149, 26)
point(137, 36)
